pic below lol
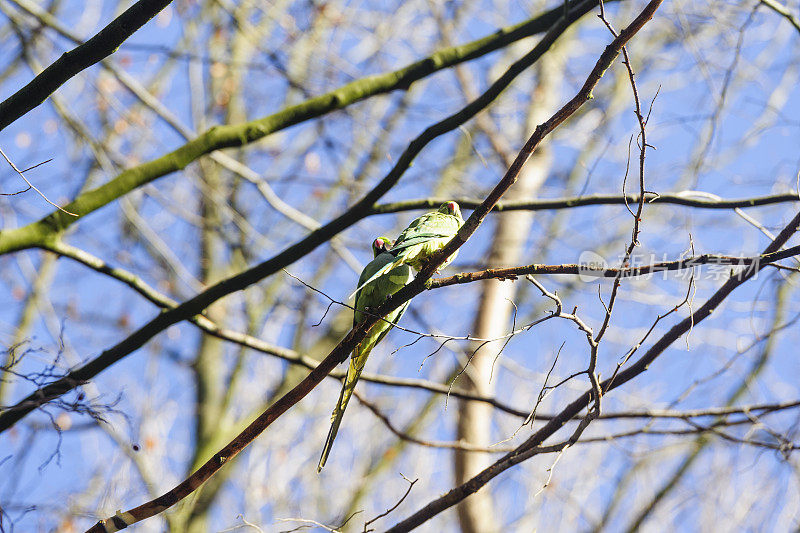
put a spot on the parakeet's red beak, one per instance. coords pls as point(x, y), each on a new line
point(452, 207)
point(379, 244)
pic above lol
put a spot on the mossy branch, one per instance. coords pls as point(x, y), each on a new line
point(228, 136)
point(344, 348)
point(198, 303)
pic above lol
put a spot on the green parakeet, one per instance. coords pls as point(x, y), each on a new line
point(425, 235)
point(370, 294)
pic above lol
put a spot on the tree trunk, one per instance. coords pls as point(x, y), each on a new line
point(476, 514)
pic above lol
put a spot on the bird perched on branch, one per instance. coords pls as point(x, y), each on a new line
point(371, 293)
point(422, 238)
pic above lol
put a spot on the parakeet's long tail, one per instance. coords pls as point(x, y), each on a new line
point(338, 412)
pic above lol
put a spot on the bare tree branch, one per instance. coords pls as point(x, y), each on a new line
point(255, 274)
point(343, 349)
point(81, 57)
point(684, 198)
point(228, 136)
point(531, 446)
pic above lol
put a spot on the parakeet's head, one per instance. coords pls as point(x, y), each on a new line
point(380, 245)
point(450, 208)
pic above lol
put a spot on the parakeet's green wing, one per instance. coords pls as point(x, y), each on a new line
point(373, 269)
point(437, 226)
point(424, 236)
point(432, 229)
point(433, 224)
point(371, 295)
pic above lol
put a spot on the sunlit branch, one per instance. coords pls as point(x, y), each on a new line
point(294, 252)
point(236, 135)
point(680, 198)
point(784, 12)
point(588, 271)
point(531, 447)
point(344, 348)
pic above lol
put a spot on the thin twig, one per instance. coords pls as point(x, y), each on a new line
point(32, 186)
point(395, 506)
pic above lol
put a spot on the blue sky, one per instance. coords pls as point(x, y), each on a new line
point(753, 152)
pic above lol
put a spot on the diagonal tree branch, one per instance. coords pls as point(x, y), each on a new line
point(783, 11)
point(343, 349)
point(236, 135)
point(248, 341)
point(316, 238)
point(242, 339)
point(79, 58)
point(700, 444)
point(531, 446)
